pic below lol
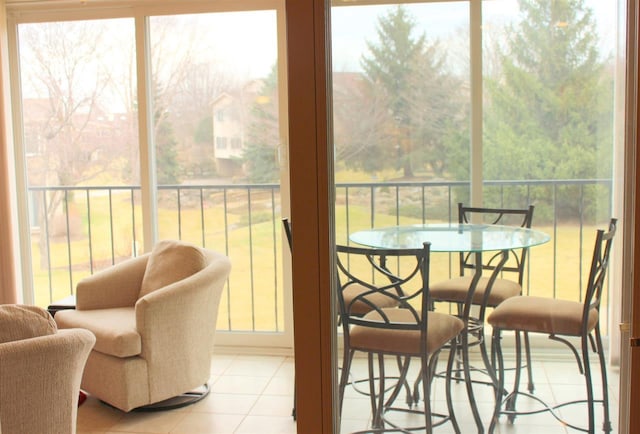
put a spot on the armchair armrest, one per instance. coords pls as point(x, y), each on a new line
point(41, 377)
point(174, 320)
point(188, 307)
point(116, 286)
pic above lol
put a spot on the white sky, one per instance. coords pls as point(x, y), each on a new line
point(245, 43)
point(353, 25)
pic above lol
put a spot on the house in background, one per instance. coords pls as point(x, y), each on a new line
point(231, 121)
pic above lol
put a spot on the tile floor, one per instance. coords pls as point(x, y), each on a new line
point(254, 394)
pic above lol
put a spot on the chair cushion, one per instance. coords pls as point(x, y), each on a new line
point(169, 262)
point(115, 329)
point(360, 307)
point(542, 315)
point(441, 329)
point(456, 289)
point(19, 322)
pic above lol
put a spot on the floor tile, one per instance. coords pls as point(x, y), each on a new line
point(208, 423)
point(244, 385)
point(267, 425)
point(272, 405)
point(223, 403)
point(255, 366)
point(94, 416)
point(149, 422)
point(280, 386)
point(254, 395)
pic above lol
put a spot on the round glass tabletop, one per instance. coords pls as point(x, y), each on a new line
point(452, 237)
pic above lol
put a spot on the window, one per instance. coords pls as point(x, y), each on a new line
point(84, 165)
point(425, 116)
point(73, 75)
point(221, 142)
point(403, 103)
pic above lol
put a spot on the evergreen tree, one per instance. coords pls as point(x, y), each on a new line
point(549, 114)
point(204, 130)
point(202, 160)
point(406, 74)
point(263, 136)
point(167, 168)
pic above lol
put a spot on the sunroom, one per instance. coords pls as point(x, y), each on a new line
point(128, 122)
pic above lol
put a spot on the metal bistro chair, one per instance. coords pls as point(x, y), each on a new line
point(455, 290)
point(359, 308)
point(409, 330)
point(559, 319)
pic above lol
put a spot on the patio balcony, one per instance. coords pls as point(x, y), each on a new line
point(95, 227)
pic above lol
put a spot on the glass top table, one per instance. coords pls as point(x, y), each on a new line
point(472, 239)
point(454, 237)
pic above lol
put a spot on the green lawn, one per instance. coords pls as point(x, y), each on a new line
point(253, 299)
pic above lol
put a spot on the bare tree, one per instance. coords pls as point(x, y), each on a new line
point(65, 70)
point(186, 78)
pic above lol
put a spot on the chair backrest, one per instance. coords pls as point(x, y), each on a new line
point(406, 287)
point(286, 224)
point(598, 270)
point(521, 217)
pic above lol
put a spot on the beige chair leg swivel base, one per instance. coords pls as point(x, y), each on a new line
point(176, 402)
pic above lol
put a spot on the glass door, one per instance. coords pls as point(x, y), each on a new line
point(169, 122)
point(495, 103)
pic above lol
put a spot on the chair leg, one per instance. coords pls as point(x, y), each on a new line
point(403, 369)
point(606, 425)
point(464, 347)
point(376, 397)
point(452, 415)
point(344, 376)
point(496, 351)
point(372, 390)
point(589, 383)
point(426, 371)
point(459, 363)
point(488, 360)
point(510, 403)
point(527, 349)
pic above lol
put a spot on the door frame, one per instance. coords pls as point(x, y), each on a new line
point(310, 170)
point(630, 327)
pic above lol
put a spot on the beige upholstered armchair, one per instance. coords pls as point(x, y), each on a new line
point(154, 318)
point(40, 371)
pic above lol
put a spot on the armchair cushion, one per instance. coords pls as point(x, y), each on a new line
point(171, 261)
point(115, 329)
point(18, 322)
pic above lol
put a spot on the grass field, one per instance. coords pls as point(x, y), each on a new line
point(254, 297)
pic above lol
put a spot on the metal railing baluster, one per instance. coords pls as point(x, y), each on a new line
point(371, 204)
point(88, 195)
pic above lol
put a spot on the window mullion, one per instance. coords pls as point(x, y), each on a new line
point(148, 182)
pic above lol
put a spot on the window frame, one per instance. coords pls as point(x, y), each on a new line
point(22, 12)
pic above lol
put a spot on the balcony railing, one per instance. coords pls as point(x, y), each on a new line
point(90, 228)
